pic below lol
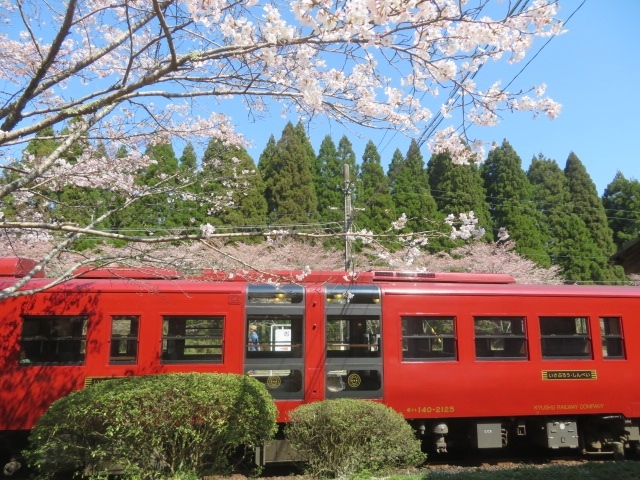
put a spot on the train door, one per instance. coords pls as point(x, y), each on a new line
point(353, 327)
point(274, 348)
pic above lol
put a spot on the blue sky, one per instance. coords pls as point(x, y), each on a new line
point(592, 70)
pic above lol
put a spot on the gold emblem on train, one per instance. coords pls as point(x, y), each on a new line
point(354, 380)
point(274, 382)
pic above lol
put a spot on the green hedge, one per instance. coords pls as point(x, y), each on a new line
point(349, 437)
point(183, 425)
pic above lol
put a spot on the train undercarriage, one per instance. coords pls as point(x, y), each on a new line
point(590, 434)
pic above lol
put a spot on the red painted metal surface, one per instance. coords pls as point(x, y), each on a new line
point(463, 386)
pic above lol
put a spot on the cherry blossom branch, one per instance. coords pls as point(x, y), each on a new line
point(80, 129)
point(14, 115)
point(112, 75)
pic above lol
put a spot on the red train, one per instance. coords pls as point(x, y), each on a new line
point(469, 359)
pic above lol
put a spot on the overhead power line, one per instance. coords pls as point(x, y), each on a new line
point(438, 117)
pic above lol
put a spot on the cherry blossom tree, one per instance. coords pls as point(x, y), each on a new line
point(293, 255)
point(126, 74)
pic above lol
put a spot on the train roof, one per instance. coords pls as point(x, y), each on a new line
point(393, 282)
point(19, 267)
point(364, 277)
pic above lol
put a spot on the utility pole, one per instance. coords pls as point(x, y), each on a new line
point(348, 220)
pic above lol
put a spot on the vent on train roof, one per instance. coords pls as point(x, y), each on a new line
point(415, 275)
point(384, 274)
point(444, 277)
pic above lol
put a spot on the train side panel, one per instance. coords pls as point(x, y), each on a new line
point(41, 363)
point(466, 373)
point(472, 354)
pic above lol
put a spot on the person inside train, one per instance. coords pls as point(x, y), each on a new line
point(24, 360)
point(254, 339)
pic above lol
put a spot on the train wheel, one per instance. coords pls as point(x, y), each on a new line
point(618, 450)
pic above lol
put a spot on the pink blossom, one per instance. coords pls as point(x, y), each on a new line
point(123, 74)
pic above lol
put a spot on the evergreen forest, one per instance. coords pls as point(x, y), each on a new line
point(552, 212)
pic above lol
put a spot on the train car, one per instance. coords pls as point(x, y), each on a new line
point(470, 360)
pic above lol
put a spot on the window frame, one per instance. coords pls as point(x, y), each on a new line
point(356, 371)
point(428, 337)
point(131, 339)
point(268, 347)
point(608, 338)
point(368, 346)
point(179, 340)
point(280, 370)
point(566, 345)
point(512, 339)
point(49, 334)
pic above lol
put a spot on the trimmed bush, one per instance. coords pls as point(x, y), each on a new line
point(349, 437)
point(182, 425)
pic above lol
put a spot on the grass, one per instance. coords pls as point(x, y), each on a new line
point(609, 470)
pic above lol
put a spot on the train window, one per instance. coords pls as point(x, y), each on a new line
point(281, 383)
point(266, 295)
point(124, 340)
point(59, 340)
point(353, 295)
point(270, 335)
point(500, 338)
point(611, 332)
point(354, 383)
point(192, 339)
point(353, 336)
point(428, 338)
point(565, 337)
